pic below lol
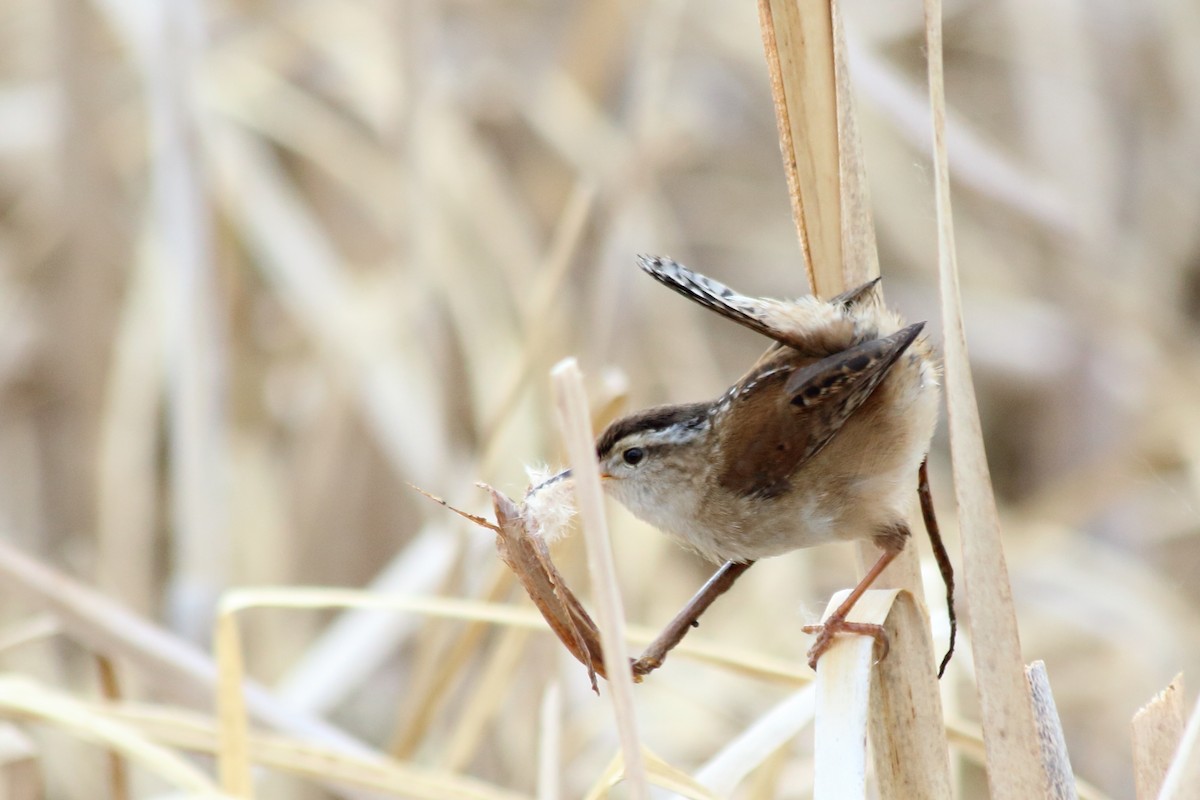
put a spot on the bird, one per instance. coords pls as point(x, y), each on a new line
point(820, 441)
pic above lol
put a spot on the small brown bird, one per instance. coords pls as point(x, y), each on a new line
point(819, 442)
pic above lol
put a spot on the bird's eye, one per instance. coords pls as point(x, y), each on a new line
point(633, 455)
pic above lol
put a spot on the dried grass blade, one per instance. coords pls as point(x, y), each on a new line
point(1055, 761)
point(322, 677)
point(752, 747)
point(798, 41)
point(233, 750)
point(572, 408)
point(22, 697)
point(1157, 729)
point(660, 773)
point(1183, 777)
point(172, 665)
point(1014, 763)
point(188, 730)
point(192, 318)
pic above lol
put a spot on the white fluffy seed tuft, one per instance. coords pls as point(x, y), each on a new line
point(549, 510)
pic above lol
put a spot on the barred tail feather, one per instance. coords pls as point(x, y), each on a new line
point(708, 293)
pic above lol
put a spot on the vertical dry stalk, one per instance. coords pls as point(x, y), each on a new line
point(1010, 736)
point(577, 435)
point(895, 695)
point(1157, 729)
point(233, 751)
point(193, 334)
point(908, 735)
point(758, 743)
point(110, 689)
point(1183, 777)
point(798, 40)
point(1060, 779)
point(843, 702)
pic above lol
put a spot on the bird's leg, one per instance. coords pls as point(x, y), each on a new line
point(688, 618)
point(836, 622)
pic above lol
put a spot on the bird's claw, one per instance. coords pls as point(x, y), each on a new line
point(837, 624)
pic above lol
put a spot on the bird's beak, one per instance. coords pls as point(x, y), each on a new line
point(566, 473)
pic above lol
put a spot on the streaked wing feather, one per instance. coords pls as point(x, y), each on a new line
point(778, 428)
point(716, 296)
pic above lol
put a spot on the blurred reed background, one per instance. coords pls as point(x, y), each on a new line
point(262, 263)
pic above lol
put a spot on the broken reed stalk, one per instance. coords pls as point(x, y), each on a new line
point(894, 695)
point(1182, 781)
point(1060, 779)
point(1157, 728)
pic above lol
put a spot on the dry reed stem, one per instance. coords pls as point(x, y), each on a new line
point(756, 744)
point(31, 629)
point(550, 745)
point(1014, 764)
point(174, 666)
point(372, 771)
point(194, 340)
point(733, 659)
point(303, 266)
point(577, 434)
point(27, 699)
point(902, 704)
point(439, 668)
point(1055, 760)
point(20, 773)
point(979, 164)
point(908, 733)
point(484, 700)
point(127, 484)
point(1157, 728)
point(1182, 781)
point(110, 690)
point(659, 772)
point(233, 749)
point(798, 41)
point(843, 701)
point(323, 675)
point(233, 746)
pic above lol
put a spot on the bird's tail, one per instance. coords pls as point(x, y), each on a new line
point(712, 294)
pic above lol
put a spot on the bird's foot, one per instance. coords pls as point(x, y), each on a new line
point(836, 624)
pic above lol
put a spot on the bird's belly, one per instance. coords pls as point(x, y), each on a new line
point(750, 529)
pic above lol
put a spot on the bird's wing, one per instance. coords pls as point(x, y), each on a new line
point(776, 424)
